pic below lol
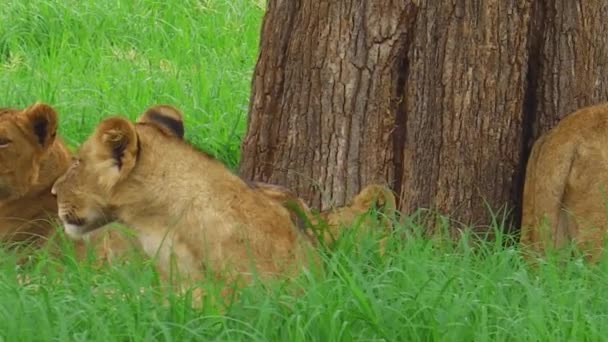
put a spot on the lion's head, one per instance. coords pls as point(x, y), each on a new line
point(85, 192)
point(25, 138)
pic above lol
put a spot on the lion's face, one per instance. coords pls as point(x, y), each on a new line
point(81, 199)
point(86, 191)
point(25, 137)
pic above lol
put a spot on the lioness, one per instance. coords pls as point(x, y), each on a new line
point(184, 205)
point(565, 186)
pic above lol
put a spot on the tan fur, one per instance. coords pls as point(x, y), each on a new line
point(297, 208)
point(372, 195)
point(31, 159)
point(184, 206)
point(566, 183)
point(108, 245)
point(334, 220)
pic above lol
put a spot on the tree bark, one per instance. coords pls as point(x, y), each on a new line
point(440, 99)
point(325, 96)
point(465, 96)
point(572, 65)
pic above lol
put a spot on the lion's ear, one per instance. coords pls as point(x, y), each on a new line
point(118, 141)
point(374, 194)
point(41, 122)
point(166, 118)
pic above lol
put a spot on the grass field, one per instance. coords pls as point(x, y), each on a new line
point(94, 58)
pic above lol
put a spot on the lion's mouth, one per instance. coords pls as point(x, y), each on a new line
point(73, 225)
point(76, 226)
point(75, 221)
point(76, 231)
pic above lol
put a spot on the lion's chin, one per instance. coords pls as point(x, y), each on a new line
point(76, 232)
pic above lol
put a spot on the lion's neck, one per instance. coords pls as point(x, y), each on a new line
point(169, 199)
point(171, 185)
point(180, 200)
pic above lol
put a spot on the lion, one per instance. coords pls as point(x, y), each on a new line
point(371, 196)
point(32, 157)
point(564, 197)
point(188, 210)
point(331, 222)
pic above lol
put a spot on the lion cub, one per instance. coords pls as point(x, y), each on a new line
point(185, 206)
point(333, 220)
point(565, 187)
point(31, 159)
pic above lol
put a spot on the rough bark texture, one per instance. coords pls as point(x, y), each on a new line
point(440, 99)
point(465, 94)
point(323, 105)
point(572, 66)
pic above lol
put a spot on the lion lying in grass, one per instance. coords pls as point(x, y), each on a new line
point(565, 195)
point(184, 205)
point(187, 208)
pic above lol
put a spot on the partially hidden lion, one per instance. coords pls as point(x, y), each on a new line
point(187, 208)
point(332, 222)
point(565, 198)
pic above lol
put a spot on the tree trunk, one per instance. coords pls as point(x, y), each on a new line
point(326, 93)
point(571, 68)
point(440, 99)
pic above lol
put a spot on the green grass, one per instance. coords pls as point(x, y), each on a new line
point(95, 58)
point(91, 59)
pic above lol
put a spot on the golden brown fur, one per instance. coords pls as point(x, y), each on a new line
point(110, 244)
point(32, 157)
point(297, 208)
point(333, 220)
point(183, 205)
point(374, 195)
point(565, 196)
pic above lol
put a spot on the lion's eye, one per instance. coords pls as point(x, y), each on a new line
point(4, 142)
